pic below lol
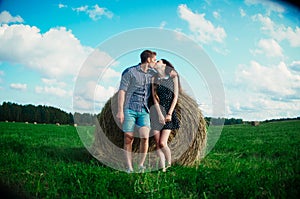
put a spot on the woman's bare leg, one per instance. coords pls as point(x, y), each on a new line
point(164, 145)
point(158, 150)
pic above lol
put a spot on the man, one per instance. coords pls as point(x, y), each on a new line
point(133, 109)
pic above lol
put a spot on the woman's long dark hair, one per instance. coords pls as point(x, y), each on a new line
point(168, 69)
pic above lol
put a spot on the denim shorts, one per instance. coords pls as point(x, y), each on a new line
point(132, 118)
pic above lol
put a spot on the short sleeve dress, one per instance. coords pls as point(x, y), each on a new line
point(165, 92)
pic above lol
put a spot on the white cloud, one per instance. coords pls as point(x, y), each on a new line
point(95, 13)
point(206, 108)
point(53, 87)
point(242, 12)
point(58, 55)
point(258, 106)
point(109, 73)
point(275, 81)
point(203, 30)
point(1, 74)
point(295, 66)
point(18, 86)
point(269, 47)
point(293, 36)
point(269, 5)
point(98, 64)
point(216, 15)
point(96, 92)
point(91, 94)
point(80, 9)
point(43, 52)
point(162, 24)
point(60, 5)
point(102, 94)
point(279, 31)
point(267, 23)
point(221, 50)
point(56, 91)
point(53, 82)
point(6, 18)
point(82, 105)
point(98, 12)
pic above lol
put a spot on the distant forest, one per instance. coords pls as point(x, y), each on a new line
point(231, 121)
point(13, 112)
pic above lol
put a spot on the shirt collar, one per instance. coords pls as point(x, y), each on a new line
point(166, 77)
point(139, 67)
point(152, 71)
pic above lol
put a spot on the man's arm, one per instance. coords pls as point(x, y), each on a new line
point(121, 99)
point(125, 82)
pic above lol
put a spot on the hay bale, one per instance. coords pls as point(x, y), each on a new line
point(187, 144)
point(255, 123)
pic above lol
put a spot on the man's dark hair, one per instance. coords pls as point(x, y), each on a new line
point(147, 54)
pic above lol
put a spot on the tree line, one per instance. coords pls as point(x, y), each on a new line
point(223, 121)
point(13, 112)
point(51, 115)
point(232, 121)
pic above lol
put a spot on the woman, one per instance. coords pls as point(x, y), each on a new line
point(165, 92)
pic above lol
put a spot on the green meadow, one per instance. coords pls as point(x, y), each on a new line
point(49, 161)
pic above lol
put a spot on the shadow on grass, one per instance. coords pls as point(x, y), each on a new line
point(7, 192)
point(66, 154)
point(28, 156)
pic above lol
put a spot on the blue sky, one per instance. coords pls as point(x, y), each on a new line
point(254, 45)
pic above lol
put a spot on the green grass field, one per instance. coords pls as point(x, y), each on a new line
point(48, 161)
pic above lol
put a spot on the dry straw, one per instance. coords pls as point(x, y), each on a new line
point(187, 144)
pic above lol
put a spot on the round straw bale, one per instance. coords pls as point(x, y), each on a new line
point(187, 144)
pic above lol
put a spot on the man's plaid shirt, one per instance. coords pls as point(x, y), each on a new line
point(137, 85)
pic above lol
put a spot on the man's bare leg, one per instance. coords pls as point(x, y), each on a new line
point(128, 140)
point(144, 144)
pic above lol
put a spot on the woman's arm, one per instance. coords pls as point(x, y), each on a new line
point(161, 117)
point(175, 99)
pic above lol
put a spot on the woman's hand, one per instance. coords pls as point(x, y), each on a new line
point(168, 118)
point(161, 119)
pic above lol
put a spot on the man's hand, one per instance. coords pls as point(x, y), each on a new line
point(121, 99)
point(173, 73)
point(120, 117)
